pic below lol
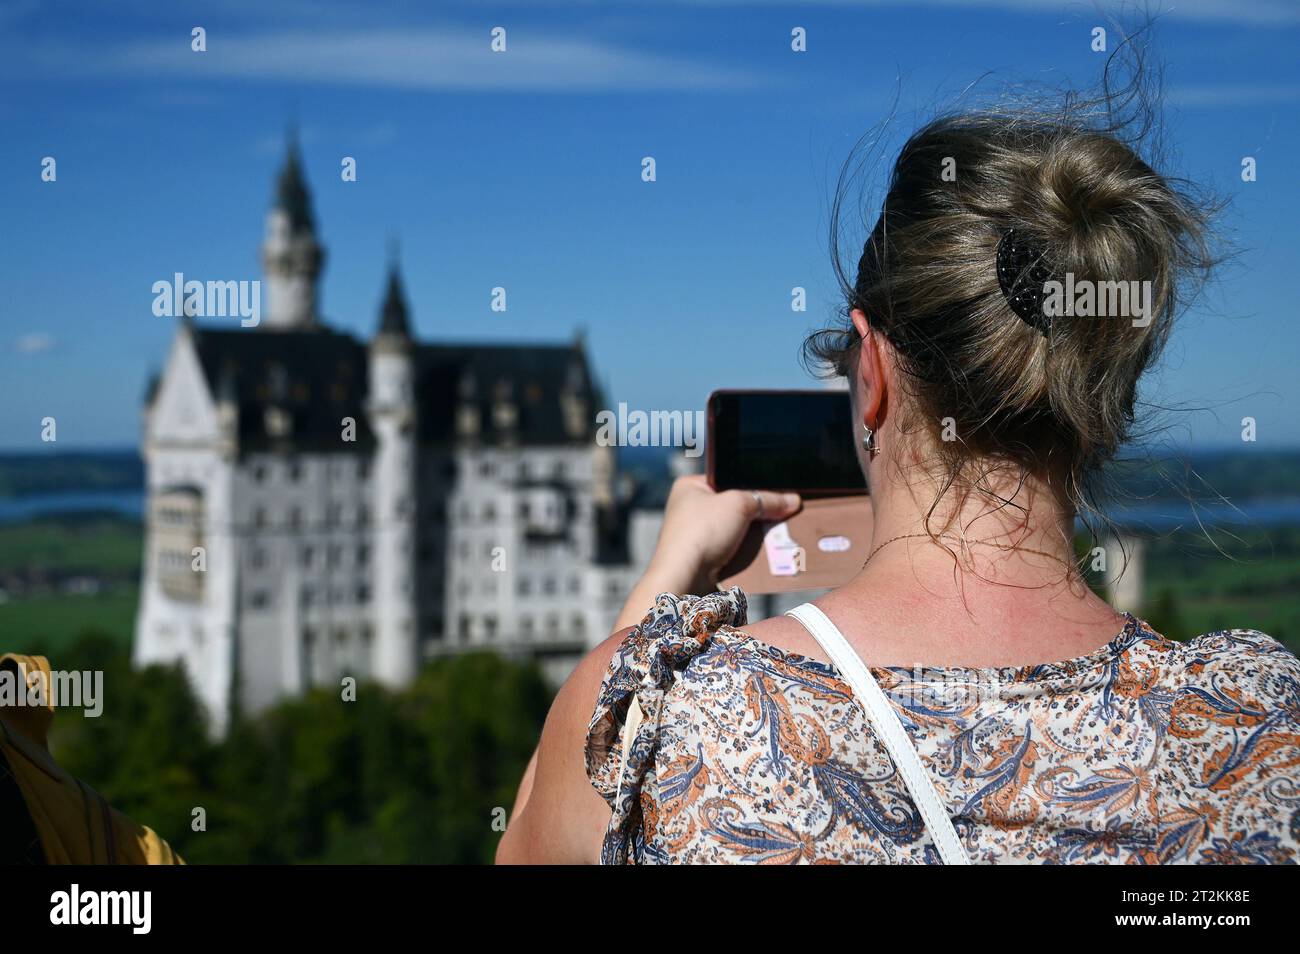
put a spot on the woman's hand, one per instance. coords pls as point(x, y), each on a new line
point(702, 530)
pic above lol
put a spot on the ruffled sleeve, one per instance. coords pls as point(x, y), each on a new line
point(624, 730)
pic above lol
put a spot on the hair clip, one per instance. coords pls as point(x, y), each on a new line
point(1022, 272)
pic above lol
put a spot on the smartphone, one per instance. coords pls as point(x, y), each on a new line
point(783, 440)
point(799, 441)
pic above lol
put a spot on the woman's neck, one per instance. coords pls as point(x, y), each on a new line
point(982, 578)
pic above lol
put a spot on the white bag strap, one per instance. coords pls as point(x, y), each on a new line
point(890, 727)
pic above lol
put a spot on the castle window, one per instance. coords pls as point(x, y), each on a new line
point(579, 624)
point(526, 627)
point(259, 518)
point(295, 517)
point(258, 559)
point(259, 473)
point(463, 627)
point(548, 586)
point(306, 555)
point(363, 593)
point(260, 599)
point(178, 516)
point(575, 584)
point(490, 626)
point(525, 586)
point(363, 555)
point(295, 471)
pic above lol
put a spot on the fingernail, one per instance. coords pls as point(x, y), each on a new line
point(790, 500)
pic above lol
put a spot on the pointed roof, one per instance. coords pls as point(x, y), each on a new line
point(291, 193)
point(394, 317)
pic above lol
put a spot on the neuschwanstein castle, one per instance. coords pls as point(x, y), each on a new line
point(322, 506)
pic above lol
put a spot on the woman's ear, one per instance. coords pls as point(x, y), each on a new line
point(871, 371)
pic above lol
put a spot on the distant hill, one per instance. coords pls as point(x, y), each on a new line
point(61, 471)
point(1236, 474)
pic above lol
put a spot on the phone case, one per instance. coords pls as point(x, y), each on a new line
point(823, 545)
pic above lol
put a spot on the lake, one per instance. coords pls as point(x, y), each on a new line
point(1159, 516)
point(127, 503)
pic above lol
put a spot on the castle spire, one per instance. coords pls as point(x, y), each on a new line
point(292, 258)
point(394, 316)
point(291, 195)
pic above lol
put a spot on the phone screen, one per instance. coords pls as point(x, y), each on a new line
point(783, 440)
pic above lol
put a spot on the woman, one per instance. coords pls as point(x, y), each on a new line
point(1038, 724)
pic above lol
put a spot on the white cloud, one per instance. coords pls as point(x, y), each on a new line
point(34, 343)
point(1256, 12)
point(420, 58)
point(1229, 94)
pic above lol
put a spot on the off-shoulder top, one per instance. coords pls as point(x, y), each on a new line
point(713, 747)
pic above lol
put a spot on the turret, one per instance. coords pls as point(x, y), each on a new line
point(292, 258)
point(393, 419)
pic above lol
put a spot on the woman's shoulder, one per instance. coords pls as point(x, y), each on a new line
point(1242, 656)
point(1232, 742)
point(1230, 679)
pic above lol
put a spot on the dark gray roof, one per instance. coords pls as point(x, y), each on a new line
point(531, 377)
point(393, 316)
point(318, 377)
point(291, 193)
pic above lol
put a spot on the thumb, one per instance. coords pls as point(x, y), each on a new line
point(769, 505)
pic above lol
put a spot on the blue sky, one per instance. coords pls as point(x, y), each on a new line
point(522, 170)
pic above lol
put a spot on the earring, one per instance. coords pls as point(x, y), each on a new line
point(869, 440)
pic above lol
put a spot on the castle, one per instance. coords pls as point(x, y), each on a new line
point(320, 506)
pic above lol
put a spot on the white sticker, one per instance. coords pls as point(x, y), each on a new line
point(781, 550)
point(835, 544)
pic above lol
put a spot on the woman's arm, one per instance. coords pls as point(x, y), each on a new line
point(702, 530)
point(558, 818)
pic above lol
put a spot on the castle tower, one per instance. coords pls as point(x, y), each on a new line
point(292, 258)
point(393, 419)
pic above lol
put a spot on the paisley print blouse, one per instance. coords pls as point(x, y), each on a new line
point(713, 747)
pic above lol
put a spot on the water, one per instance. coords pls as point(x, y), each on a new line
point(1158, 516)
point(1161, 516)
point(127, 503)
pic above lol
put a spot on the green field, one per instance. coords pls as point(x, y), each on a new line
point(1249, 579)
point(1194, 584)
point(45, 618)
point(45, 624)
point(96, 544)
